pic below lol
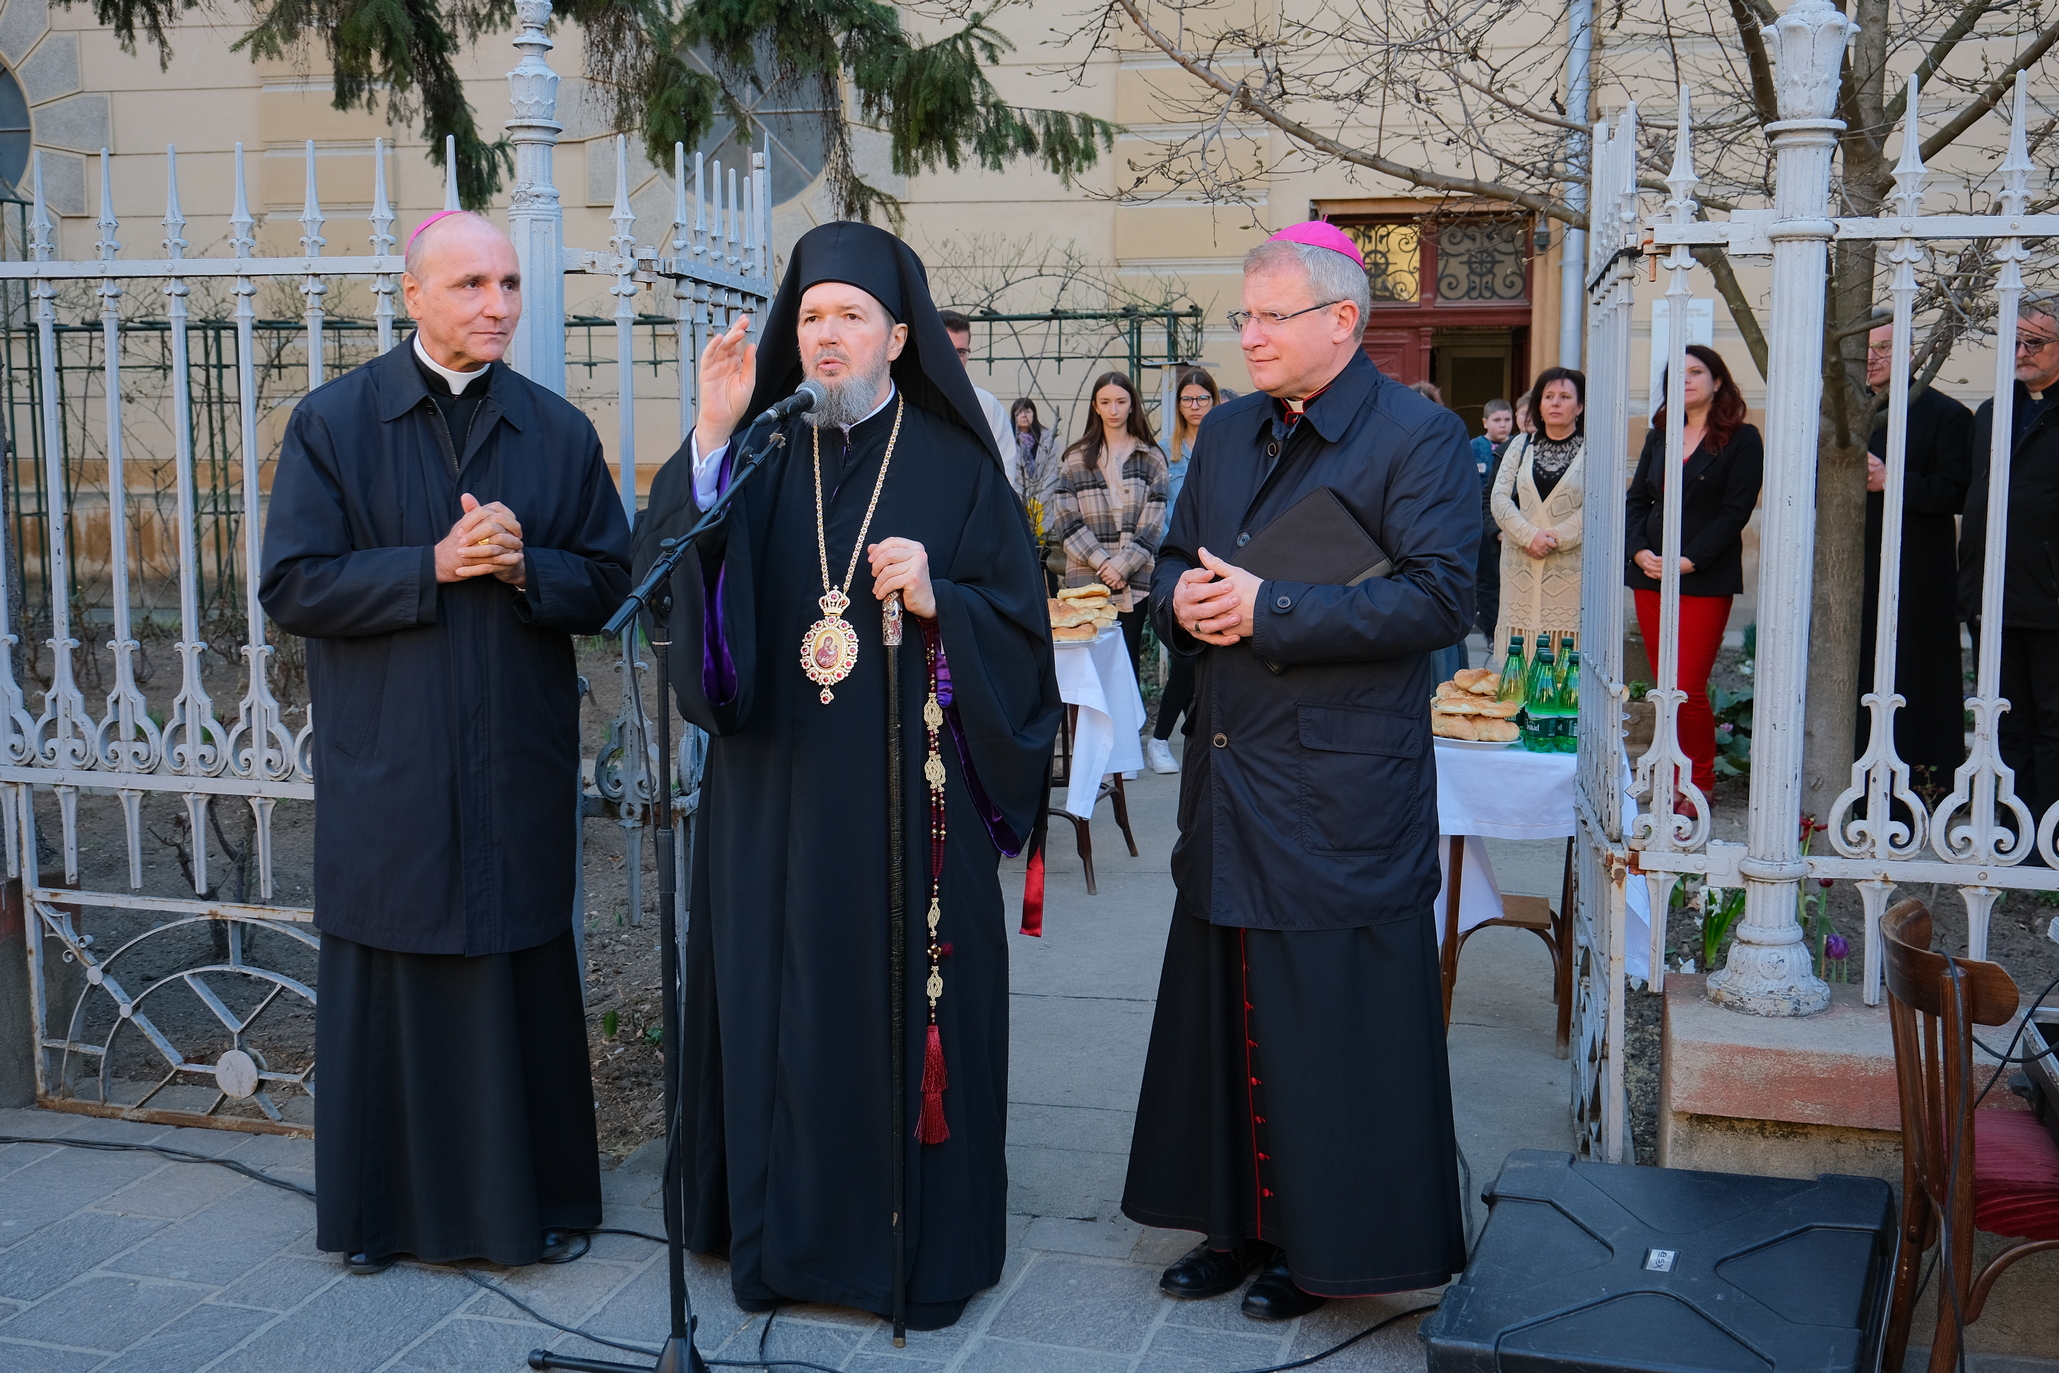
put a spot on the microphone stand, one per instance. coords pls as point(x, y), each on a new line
point(654, 594)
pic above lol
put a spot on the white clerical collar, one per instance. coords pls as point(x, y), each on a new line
point(458, 381)
point(891, 392)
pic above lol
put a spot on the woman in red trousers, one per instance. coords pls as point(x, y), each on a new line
point(1719, 487)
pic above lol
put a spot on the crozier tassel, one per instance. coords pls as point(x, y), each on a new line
point(930, 1129)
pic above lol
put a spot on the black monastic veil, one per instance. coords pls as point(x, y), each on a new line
point(787, 1051)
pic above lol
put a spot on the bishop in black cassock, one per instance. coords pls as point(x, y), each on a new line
point(789, 1060)
point(1296, 1103)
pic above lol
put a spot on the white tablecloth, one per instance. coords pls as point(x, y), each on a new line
point(1512, 793)
point(1097, 678)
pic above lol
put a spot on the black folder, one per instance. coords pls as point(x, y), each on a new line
point(1315, 540)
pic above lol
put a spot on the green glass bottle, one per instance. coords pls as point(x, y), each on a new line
point(1538, 681)
point(1512, 671)
point(1569, 704)
point(1565, 669)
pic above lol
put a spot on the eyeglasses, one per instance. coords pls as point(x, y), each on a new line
point(1880, 350)
point(1269, 319)
point(1196, 400)
point(2034, 345)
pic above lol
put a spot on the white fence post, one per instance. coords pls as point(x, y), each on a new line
point(1770, 971)
point(536, 218)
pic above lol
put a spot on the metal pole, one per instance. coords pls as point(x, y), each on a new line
point(1573, 245)
point(897, 967)
point(536, 218)
point(1770, 971)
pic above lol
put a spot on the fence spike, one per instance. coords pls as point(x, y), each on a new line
point(107, 244)
point(382, 209)
point(174, 221)
point(39, 220)
point(382, 246)
point(2017, 166)
point(311, 217)
point(242, 227)
point(450, 172)
point(1909, 171)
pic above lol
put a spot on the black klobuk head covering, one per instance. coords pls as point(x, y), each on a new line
point(928, 371)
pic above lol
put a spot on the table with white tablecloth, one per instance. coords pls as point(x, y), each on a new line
point(1512, 793)
point(1097, 677)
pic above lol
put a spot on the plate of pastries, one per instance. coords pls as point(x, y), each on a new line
point(1464, 712)
point(1079, 614)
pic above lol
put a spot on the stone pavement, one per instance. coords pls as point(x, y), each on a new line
point(126, 1263)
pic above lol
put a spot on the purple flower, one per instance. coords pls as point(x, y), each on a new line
point(1837, 948)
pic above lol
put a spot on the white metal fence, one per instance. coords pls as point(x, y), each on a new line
point(1881, 831)
point(192, 1007)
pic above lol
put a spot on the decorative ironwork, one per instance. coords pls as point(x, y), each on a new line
point(1394, 260)
point(1481, 260)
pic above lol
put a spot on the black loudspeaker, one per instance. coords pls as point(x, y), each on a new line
point(1595, 1267)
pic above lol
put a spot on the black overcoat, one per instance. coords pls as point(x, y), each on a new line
point(2030, 564)
point(1929, 729)
point(1716, 502)
point(1309, 798)
point(446, 747)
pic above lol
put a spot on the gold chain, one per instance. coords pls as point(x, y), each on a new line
point(822, 539)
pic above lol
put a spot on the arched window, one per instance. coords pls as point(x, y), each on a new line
point(14, 130)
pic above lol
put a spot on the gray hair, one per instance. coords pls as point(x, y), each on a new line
point(1331, 275)
point(2037, 303)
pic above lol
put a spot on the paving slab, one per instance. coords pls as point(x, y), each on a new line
point(103, 1312)
point(280, 1283)
point(193, 1341)
point(56, 1254)
point(354, 1325)
point(30, 1358)
point(464, 1344)
point(222, 1242)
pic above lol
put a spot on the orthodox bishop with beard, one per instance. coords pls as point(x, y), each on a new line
point(890, 486)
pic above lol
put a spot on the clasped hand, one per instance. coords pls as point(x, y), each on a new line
point(487, 539)
point(1652, 566)
point(1215, 602)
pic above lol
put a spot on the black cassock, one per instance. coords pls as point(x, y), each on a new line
point(788, 1059)
point(455, 1113)
point(1296, 1088)
point(1930, 732)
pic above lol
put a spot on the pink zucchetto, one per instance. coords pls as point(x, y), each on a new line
point(1321, 234)
point(440, 214)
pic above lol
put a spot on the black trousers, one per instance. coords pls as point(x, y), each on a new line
point(2029, 731)
point(1132, 622)
point(1179, 694)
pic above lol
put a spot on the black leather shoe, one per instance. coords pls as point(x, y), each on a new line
point(364, 1265)
point(1206, 1272)
point(563, 1246)
point(1274, 1297)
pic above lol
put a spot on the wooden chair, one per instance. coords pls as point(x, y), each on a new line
point(1962, 1169)
point(1111, 787)
point(1532, 913)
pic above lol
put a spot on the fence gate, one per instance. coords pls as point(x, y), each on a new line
point(187, 997)
point(1881, 832)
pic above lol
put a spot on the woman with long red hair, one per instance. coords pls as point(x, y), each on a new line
point(1719, 488)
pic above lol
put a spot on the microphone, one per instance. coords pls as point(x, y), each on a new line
point(810, 394)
